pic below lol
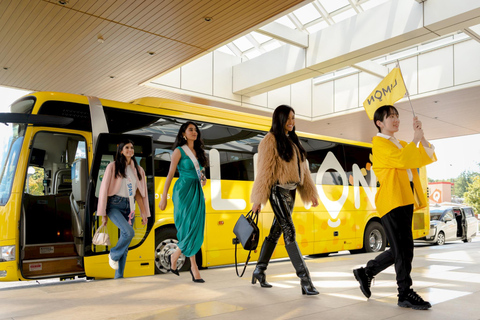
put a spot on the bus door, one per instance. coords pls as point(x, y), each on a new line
point(51, 233)
point(140, 259)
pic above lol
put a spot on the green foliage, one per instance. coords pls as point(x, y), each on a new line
point(35, 182)
point(472, 195)
point(462, 182)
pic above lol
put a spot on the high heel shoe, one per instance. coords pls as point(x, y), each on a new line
point(259, 274)
point(196, 280)
point(308, 288)
point(173, 271)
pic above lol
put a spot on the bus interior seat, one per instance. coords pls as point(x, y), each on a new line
point(62, 181)
point(77, 201)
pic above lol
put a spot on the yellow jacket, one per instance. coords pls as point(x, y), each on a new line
point(390, 165)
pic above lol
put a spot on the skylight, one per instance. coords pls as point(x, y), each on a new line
point(310, 18)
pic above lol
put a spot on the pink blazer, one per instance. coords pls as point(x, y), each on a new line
point(111, 185)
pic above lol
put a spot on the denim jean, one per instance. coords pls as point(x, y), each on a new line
point(118, 209)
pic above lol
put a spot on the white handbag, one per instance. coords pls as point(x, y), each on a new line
point(101, 238)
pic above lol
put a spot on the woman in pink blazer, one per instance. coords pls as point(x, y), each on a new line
point(123, 183)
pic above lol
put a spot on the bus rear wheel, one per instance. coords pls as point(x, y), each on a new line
point(165, 244)
point(374, 239)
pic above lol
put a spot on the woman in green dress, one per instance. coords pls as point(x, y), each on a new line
point(188, 199)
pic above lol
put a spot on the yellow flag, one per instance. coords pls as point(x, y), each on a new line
point(390, 90)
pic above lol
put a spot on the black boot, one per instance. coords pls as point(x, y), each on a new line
point(265, 254)
point(301, 268)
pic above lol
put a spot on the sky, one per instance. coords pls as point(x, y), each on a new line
point(454, 155)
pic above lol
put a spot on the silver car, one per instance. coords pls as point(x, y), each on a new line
point(448, 223)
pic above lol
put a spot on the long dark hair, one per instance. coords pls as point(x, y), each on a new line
point(197, 144)
point(284, 147)
point(121, 161)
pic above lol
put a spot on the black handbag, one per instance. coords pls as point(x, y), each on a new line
point(247, 233)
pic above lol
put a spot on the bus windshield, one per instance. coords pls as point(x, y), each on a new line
point(11, 140)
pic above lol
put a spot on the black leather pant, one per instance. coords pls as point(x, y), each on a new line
point(282, 202)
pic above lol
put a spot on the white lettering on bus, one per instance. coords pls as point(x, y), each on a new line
point(218, 203)
point(359, 178)
point(333, 206)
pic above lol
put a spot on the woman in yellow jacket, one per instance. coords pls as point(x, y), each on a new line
point(395, 165)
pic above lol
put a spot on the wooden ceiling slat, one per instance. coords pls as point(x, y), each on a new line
point(52, 49)
point(110, 56)
point(124, 10)
point(138, 68)
point(105, 7)
point(138, 12)
point(58, 49)
point(229, 25)
point(138, 63)
point(166, 18)
point(37, 39)
point(13, 40)
point(81, 52)
point(9, 20)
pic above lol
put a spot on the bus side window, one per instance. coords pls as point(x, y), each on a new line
point(317, 151)
point(361, 157)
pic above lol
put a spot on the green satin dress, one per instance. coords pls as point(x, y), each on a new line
point(189, 207)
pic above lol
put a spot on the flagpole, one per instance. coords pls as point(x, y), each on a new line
point(406, 89)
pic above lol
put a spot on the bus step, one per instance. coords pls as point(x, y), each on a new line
point(49, 250)
point(51, 266)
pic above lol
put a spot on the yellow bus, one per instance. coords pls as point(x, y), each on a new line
point(55, 146)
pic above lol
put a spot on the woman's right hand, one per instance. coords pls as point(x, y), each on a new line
point(163, 203)
point(104, 220)
point(257, 207)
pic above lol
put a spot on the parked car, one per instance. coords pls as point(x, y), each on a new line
point(448, 223)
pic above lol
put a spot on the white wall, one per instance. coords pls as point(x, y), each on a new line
point(442, 68)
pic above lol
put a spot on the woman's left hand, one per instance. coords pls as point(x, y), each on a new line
point(314, 202)
point(144, 219)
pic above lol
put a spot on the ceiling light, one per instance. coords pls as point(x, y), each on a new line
point(63, 2)
point(208, 19)
point(100, 39)
point(151, 53)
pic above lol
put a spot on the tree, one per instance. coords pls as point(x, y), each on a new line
point(472, 195)
point(462, 182)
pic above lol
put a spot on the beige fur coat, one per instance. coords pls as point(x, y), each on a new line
point(271, 168)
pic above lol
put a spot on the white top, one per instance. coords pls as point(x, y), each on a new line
point(124, 192)
point(428, 149)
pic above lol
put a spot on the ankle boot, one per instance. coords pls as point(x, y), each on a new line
point(301, 268)
point(265, 254)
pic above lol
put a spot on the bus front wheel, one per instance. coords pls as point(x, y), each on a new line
point(374, 239)
point(165, 244)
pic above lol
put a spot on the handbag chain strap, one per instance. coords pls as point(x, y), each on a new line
point(254, 216)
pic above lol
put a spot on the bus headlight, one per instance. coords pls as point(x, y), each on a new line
point(7, 253)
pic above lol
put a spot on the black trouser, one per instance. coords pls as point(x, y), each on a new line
point(282, 202)
point(398, 227)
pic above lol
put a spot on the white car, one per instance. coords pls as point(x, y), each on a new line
point(448, 223)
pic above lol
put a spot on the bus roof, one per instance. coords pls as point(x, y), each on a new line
point(186, 110)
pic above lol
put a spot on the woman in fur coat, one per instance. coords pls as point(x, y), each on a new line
point(282, 169)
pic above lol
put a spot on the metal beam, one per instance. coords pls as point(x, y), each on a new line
point(285, 34)
point(372, 68)
point(381, 30)
point(475, 35)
